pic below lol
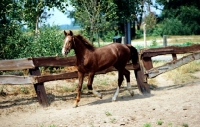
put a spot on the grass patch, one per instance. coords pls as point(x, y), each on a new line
point(147, 125)
point(112, 120)
point(108, 113)
point(159, 122)
point(184, 73)
point(185, 125)
point(169, 124)
point(179, 75)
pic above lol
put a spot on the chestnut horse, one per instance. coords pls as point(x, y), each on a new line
point(91, 60)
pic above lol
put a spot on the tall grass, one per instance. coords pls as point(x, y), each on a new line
point(179, 75)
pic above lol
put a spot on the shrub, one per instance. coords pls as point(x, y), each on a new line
point(174, 26)
point(48, 43)
point(23, 44)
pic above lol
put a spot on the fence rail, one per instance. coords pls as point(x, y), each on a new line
point(35, 77)
point(143, 70)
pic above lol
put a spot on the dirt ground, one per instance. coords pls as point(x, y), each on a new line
point(173, 105)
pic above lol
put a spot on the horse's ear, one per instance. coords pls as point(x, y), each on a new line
point(65, 33)
point(70, 32)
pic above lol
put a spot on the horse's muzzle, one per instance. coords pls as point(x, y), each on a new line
point(65, 52)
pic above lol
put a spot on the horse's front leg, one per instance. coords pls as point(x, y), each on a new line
point(78, 97)
point(89, 85)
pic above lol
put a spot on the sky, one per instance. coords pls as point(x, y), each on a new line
point(58, 17)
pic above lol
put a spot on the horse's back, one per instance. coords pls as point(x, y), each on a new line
point(115, 53)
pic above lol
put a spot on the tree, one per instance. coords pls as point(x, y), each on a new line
point(187, 12)
point(9, 24)
point(14, 14)
point(33, 11)
point(94, 16)
point(133, 11)
point(126, 10)
point(150, 21)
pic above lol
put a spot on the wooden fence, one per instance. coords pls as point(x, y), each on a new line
point(35, 77)
point(143, 70)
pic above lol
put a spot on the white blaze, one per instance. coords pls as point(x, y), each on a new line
point(63, 49)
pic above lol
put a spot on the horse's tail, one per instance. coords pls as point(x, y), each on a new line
point(134, 54)
point(142, 86)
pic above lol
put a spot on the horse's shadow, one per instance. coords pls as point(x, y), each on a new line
point(107, 96)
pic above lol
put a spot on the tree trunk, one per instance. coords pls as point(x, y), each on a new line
point(139, 22)
point(91, 32)
point(36, 26)
point(133, 29)
point(98, 39)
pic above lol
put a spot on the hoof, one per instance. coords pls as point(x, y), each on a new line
point(132, 93)
point(114, 99)
point(101, 97)
point(75, 106)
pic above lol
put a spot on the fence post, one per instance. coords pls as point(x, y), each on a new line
point(39, 88)
point(165, 40)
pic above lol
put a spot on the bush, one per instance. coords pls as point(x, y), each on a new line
point(107, 36)
point(173, 26)
point(20, 44)
point(48, 43)
point(11, 41)
point(139, 34)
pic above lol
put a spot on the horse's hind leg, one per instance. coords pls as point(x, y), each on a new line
point(127, 76)
point(89, 85)
point(120, 80)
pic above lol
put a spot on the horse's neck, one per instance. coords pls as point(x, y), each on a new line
point(80, 49)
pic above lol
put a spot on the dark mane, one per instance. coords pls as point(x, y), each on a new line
point(85, 42)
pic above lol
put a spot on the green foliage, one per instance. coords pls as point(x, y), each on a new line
point(101, 16)
point(24, 90)
point(160, 122)
point(108, 113)
point(107, 36)
point(12, 41)
point(150, 21)
point(147, 125)
point(174, 26)
point(23, 44)
point(139, 34)
point(35, 11)
point(185, 125)
point(52, 125)
point(157, 31)
point(181, 15)
point(185, 44)
point(48, 43)
point(126, 9)
point(154, 43)
point(169, 124)
point(112, 120)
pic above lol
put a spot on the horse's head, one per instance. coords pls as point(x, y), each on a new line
point(68, 42)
